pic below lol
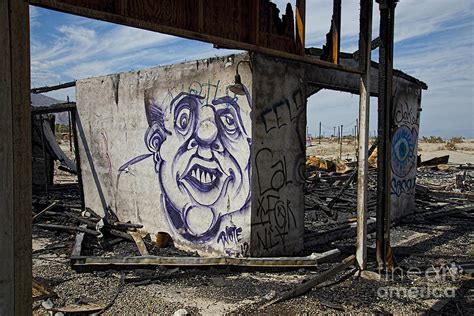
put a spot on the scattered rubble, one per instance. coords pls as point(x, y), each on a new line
point(439, 234)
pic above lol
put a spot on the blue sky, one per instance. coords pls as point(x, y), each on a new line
point(434, 41)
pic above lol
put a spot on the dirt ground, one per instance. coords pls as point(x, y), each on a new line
point(463, 153)
point(435, 245)
point(214, 291)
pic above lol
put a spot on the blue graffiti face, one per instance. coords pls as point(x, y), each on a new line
point(203, 162)
point(403, 150)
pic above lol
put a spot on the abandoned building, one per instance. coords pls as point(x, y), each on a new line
point(178, 150)
point(210, 154)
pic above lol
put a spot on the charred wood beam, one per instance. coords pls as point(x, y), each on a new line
point(276, 262)
point(74, 115)
point(184, 22)
point(53, 108)
point(308, 285)
point(374, 44)
point(53, 88)
point(68, 228)
point(331, 50)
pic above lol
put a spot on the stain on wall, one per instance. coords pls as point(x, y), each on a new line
point(181, 159)
point(406, 117)
point(278, 157)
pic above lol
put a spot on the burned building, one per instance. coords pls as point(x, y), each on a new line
point(217, 161)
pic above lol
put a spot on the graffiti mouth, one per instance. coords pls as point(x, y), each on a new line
point(203, 178)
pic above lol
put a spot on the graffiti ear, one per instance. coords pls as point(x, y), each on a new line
point(154, 137)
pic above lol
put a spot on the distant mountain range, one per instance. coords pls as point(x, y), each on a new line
point(43, 100)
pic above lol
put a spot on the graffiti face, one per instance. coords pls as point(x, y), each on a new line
point(204, 162)
point(201, 153)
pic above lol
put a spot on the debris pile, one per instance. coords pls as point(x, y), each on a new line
point(447, 178)
point(103, 247)
point(101, 236)
point(331, 191)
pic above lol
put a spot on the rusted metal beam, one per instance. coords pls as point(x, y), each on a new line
point(385, 100)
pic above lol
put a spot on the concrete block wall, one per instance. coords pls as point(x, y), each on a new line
point(169, 147)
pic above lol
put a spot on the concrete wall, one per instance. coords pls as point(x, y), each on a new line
point(407, 102)
point(406, 122)
point(169, 147)
point(42, 172)
point(174, 149)
point(278, 156)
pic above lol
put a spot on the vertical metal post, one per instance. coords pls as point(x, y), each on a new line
point(340, 143)
point(320, 133)
point(365, 39)
point(387, 17)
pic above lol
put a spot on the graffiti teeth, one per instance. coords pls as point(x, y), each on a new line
point(201, 176)
point(203, 179)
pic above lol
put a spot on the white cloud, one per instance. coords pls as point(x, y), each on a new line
point(76, 49)
point(34, 16)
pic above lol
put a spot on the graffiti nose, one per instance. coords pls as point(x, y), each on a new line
point(206, 133)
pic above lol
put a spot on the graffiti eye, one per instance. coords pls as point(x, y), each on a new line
point(183, 119)
point(228, 122)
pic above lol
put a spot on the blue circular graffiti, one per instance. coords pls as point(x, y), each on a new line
point(403, 150)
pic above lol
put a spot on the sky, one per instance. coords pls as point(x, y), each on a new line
point(434, 42)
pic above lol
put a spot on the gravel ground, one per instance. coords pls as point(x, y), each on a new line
point(418, 244)
point(224, 290)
